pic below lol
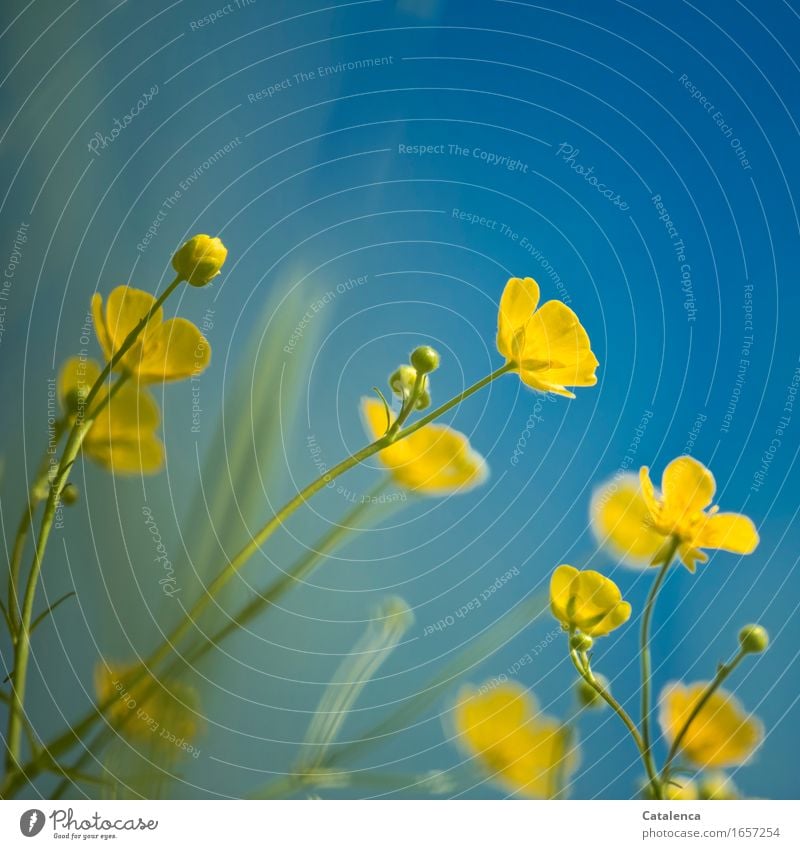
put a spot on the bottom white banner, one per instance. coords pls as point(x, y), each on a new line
point(389, 824)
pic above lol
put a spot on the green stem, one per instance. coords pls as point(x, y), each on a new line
point(646, 663)
point(80, 428)
point(22, 775)
point(723, 671)
point(581, 663)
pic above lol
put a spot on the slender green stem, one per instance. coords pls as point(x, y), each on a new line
point(21, 775)
point(646, 662)
point(723, 671)
point(408, 407)
point(582, 665)
point(80, 428)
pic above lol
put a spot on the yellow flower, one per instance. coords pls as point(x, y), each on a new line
point(637, 521)
point(722, 734)
point(165, 350)
point(681, 789)
point(166, 716)
point(547, 346)
point(587, 601)
point(123, 437)
point(718, 785)
point(522, 749)
point(199, 260)
point(435, 460)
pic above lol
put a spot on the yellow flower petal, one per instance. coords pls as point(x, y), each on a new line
point(127, 455)
point(75, 379)
point(587, 601)
point(517, 303)
point(723, 734)
point(648, 491)
point(173, 350)
point(621, 521)
point(528, 753)
point(561, 591)
point(435, 460)
point(100, 329)
point(687, 486)
point(729, 532)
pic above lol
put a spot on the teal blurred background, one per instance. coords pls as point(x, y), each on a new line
point(685, 113)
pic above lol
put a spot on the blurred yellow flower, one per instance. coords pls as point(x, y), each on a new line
point(435, 460)
point(200, 259)
point(525, 751)
point(722, 734)
point(718, 785)
point(168, 716)
point(123, 436)
point(547, 346)
point(681, 789)
point(165, 350)
point(587, 601)
point(637, 522)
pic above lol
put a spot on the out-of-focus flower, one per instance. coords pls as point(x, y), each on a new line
point(547, 346)
point(525, 751)
point(123, 436)
point(587, 601)
point(165, 350)
point(718, 785)
point(722, 734)
point(199, 260)
point(152, 711)
point(434, 460)
point(637, 523)
point(681, 789)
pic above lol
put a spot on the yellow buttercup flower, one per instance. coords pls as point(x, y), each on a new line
point(168, 716)
point(718, 785)
point(199, 260)
point(681, 790)
point(123, 436)
point(587, 601)
point(722, 734)
point(547, 346)
point(435, 460)
point(637, 522)
point(525, 751)
point(165, 350)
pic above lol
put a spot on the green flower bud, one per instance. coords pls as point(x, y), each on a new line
point(588, 697)
point(199, 260)
point(580, 642)
point(425, 359)
point(424, 400)
point(402, 380)
point(70, 494)
point(753, 639)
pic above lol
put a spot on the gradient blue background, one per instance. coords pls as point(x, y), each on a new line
point(317, 192)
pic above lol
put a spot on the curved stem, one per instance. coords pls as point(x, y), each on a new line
point(723, 671)
point(18, 776)
point(646, 663)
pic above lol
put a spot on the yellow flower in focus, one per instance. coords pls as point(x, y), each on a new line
point(547, 346)
point(123, 436)
point(435, 460)
point(199, 260)
point(151, 711)
point(165, 350)
point(722, 734)
point(525, 751)
point(587, 601)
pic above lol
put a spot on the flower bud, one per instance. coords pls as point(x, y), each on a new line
point(402, 380)
point(200, 259)
point(424, 400)
point(70, 494)
point(588, 696)
point(753, 639)
point(425, 359)
point(580, 642)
